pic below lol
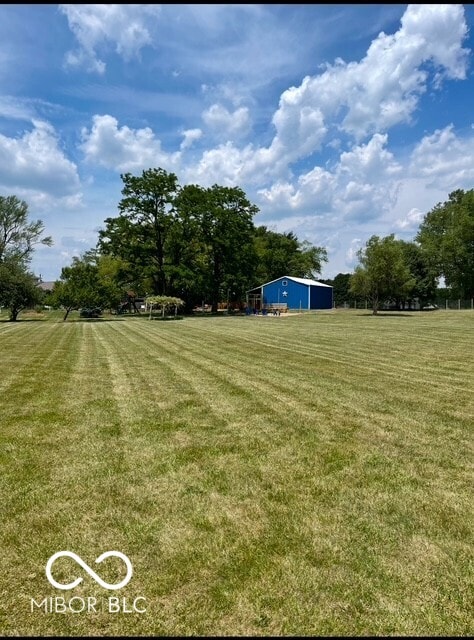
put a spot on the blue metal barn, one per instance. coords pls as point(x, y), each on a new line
point(292, 293)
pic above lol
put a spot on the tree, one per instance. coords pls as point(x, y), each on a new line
point(283, 254)
point(340, 288)
point(308, 260)
point(223, 221)
point(382, 273)
point(79, 286)
point(18, 288)
point(111, 281)
point(140, 234)
point(446, 236)
point(424, 276)
point(18, 236)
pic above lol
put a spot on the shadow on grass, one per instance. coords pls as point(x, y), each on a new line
point(18, 320)
point(94, 319)
point(219, 314)
point(388, 314)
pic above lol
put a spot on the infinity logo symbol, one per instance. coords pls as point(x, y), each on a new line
point(88, 570)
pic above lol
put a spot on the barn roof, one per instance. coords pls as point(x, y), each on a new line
point(46, 286)
point(306, 281)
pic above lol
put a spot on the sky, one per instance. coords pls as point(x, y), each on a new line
point(338, 121)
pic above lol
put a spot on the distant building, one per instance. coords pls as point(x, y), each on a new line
point(291, 293)
point(46, 286)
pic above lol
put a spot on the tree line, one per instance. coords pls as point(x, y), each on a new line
point(201, 244)
point(402, 273)
point(188, 242)
point(18, 238)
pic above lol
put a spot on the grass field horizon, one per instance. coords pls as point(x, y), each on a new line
point(307, 475)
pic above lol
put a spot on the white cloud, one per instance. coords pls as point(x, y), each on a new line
point(411, 221)
point(126, 26)
point(351, 258)
point(383, 89)
point(223, 165)
point(15, 109)
point(190, 136)
point(369, 160)
point(441, 28)
point(123, 149)
point(362, 185)
point(313, 191)
point(35, 164)
point(444, 160)
point(224, 123)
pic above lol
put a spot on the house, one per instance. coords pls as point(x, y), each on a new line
point(289, 292)
point(47, 287)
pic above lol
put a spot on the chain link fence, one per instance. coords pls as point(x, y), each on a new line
point(440, 303)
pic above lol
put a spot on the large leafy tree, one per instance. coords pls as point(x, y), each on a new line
point(86, 283)
point(141, 233)
point(340, 288)
point(446, 237)
point(283, 254)
point(18, 288)
point(223, 218)
point(18, 238)
point(425, 280)
point(19, 235)
point(382, 273)
point(188, 250)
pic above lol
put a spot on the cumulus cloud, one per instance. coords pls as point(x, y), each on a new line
point(370, 160)
point(126, 27)
point(411, 221)
point(34, 163)
point(358, 99)
point(225, 123)
point(190, 136)
point(362, 184)
point(444, 160)
point(123, 149)
point(384, 88)
point(299, 123)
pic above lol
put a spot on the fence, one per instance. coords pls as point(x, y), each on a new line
point(455, 304)
point(440, 303)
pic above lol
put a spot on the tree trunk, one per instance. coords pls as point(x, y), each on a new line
point(66, 314)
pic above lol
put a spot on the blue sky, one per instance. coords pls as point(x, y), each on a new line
point(338, 121)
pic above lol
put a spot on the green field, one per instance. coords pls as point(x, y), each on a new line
point(302, 475)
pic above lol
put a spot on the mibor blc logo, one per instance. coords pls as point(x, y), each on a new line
point(89, 604)
point(88, 570)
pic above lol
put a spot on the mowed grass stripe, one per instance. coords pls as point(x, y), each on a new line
point(228, 463)
point(236, 374)
point(25, 349)
point(372, 357)
point(323, 381)
point(397, 479)
point(357, 357)
point(244, 513)
point(400, 410)
point(253, 382)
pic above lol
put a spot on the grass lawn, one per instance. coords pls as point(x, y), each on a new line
point(302, 475)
